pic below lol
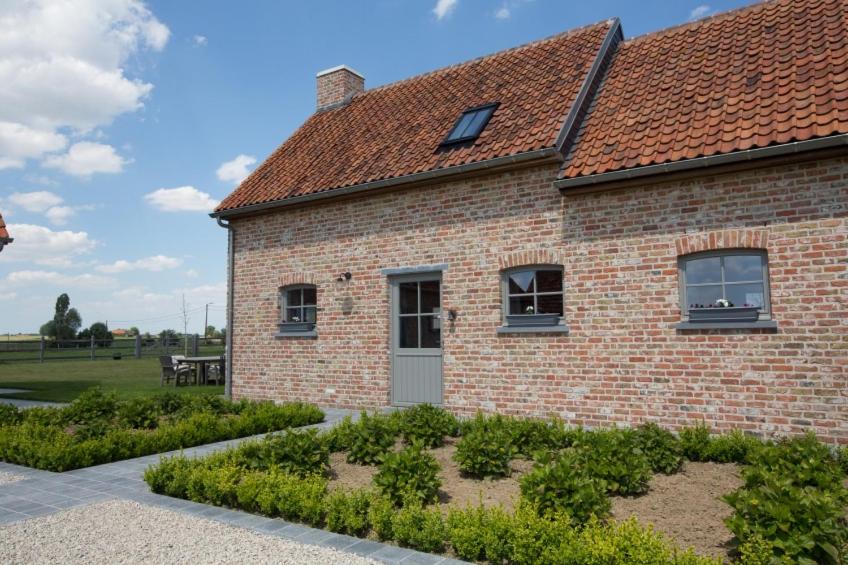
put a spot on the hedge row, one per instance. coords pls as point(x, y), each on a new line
point(97, 429)
point(474, 533)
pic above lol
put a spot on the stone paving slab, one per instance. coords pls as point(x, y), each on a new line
point(43, 492)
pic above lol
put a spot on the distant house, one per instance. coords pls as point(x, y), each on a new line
point(5, 238)
point(120, 332)
point(607, 230)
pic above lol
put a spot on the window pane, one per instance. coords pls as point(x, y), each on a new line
point(311, 314)
point(461, 126)
point(476, 124)
point(429, 297)
point(431, 335)
point(702, 295)
point(549, 281)
point(293, 315)
point(521, 282)
point(309, 296)
point(521, 305)
point(743, 268)
point(706, 270)
point(408, 298)
point(408, 332)
point(293, 297)
point(549, 304)
point(746, 294)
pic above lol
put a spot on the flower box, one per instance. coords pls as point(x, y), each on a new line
point(288, 327)
point(525, 320)
point(725, 314)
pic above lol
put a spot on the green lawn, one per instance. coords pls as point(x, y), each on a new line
point(62, 381)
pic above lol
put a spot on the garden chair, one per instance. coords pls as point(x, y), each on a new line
point(215, 372)
point(173, 371)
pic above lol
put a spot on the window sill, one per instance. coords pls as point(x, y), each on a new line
point(758, 325)
point(283, 335)
point(558, 329)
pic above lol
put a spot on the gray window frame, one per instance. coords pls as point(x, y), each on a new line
point(505, 328)
point(283, 331)
point(765, 311)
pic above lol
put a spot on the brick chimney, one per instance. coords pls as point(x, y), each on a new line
point(338, 85)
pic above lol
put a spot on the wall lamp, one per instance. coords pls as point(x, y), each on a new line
point(346, 276)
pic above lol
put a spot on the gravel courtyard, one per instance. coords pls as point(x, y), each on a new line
point(6, 478)
point(122, 531)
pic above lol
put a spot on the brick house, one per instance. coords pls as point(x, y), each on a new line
point(554, 229)
point(5, 238)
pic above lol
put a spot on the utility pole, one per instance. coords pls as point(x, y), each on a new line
point(206, 320)
point(185, 326)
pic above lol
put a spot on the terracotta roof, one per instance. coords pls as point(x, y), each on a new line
point(4, 234)
point(768, 74)
point(395, 130)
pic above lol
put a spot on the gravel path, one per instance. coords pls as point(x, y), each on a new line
point(6, 478)
point(121, 531)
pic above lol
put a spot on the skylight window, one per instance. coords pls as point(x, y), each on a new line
point(470, 124)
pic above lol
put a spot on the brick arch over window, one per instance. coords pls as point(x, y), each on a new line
point(290, 279)
point(725, 239)
point(530, 257)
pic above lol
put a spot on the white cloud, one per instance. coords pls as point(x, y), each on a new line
point(85, 158)
point(699, 12)
point(43, 246)
point(38, 201)
point(236, 170)
point(53, 278)
point(181, 199)
point(19, 142)
point(503, 13)
point(155, 264)
point(59, 215)
point(200, 40)
point(62, 66)
point(444, 8)
point(8, 295)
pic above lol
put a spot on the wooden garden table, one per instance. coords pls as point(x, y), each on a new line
point(201, 366)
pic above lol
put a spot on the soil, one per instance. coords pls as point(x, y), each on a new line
point(685, 507)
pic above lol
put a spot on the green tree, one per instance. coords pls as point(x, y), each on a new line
point(133, 331)
point(66, 320)
point(102, 335)
point(210, 331)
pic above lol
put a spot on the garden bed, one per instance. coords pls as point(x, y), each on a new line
point(507, 490)
point(97, 428)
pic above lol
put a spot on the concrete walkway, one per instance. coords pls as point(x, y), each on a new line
point(43, 492)
point(24, 403)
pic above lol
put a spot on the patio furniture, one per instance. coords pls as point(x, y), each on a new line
point(215, 371)
point(202, 365)
point(173, 371)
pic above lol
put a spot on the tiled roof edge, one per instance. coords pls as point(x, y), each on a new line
point(589, 89)
point(549, 154)
point(795, 147)
point(695, 23)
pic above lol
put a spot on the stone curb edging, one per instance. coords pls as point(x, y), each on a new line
point(42, 493)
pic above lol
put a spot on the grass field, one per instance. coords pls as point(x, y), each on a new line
point(62, 381)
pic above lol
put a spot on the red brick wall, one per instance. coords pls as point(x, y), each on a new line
point(624, 361)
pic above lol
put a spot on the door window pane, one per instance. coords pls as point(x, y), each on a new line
point(548, 281)
point(431, 335)
point(521, 305)
point(293, 297)
point(703, 295)
point(521, 282)
point(408, 332)
point(549, 304)
point(743, 268)
point(408, 297)
point(706, 270)
point(746, 294)
point(429, 297)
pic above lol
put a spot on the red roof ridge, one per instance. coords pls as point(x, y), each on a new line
point(762, 4)
point(481, 58)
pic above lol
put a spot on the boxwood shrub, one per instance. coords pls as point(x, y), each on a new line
point(96, 428)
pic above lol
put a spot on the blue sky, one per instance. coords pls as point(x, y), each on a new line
point(122, 123)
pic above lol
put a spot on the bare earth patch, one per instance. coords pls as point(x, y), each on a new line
point(6, 478)
point(118, 532)
point(686, 506)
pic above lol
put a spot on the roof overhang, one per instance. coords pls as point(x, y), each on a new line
point(520, 160)
point(5, 241)
point(750, 158)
